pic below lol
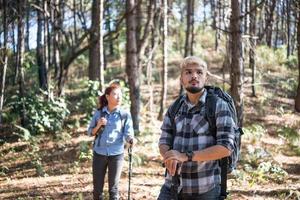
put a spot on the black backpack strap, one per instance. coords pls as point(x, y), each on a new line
point(103, 114)
point(172, 111)
point(210, 109)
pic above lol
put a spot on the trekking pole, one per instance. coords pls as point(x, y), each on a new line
point(175, 183)
point(129, 168)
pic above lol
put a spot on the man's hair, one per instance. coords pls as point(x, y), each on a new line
point(191, 60)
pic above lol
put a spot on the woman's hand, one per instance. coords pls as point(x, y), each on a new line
point(101, 122)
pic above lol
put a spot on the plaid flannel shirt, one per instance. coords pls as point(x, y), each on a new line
point(192, 134)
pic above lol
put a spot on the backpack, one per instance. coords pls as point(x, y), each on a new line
point(123, 116)
point(227, 164)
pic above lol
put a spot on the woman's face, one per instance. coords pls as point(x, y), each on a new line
point(115, 97)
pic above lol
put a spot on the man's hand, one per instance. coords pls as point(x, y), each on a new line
point(172, 165)
point(175, 155)
point(172, 160)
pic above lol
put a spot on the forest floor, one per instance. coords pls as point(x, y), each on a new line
point(59, 166)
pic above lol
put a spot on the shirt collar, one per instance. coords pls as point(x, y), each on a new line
point(105, 109)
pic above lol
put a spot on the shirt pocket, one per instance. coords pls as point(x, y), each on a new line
point(179, 122)
point(200, 125)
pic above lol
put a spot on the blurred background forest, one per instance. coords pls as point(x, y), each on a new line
point(56, 57)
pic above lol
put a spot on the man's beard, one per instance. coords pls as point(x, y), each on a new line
point(194, 90)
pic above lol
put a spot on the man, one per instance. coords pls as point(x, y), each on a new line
point(193, 149)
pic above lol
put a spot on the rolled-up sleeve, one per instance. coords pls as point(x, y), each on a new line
point(225, 125)
point(128, 128)
point(167, 132)
point(93, 122)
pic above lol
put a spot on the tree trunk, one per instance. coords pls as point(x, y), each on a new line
point(189, 33)
point(101, 47)
point(39, 50)
point(151, 55)
point(236, 74)
point(297, 99)
point(96, 57)
point(288, 23)
point(277, 25)
point(165, 61)
point(252, 60)
point(46, 43)
point(20, 59)
point(132, 70)
point(214, 22)
point(57, 26)
point(27, 28)
point(74, 20)
point(108, 27)
point(269, 25)
point(189, 25)
point(246, 17)
point(3, 57)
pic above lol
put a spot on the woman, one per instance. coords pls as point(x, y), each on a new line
point(111, 127)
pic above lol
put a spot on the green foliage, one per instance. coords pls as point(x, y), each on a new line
point(289, 85)
point(89, 98)
point(254, 156)
point(265, 172)
point(273, 59)
point(205, 39)
point(139, 159)
point(292, 62)
point(43, 114)
point(85, 151)
point(254, 132)
point(23, 133)
point(292, 136)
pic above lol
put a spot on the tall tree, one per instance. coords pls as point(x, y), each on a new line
point(96, 57)
point(27, 27)
point(3, 56)
point(188, 50)
point(40, 49)
point(252, 60)
point(236, 74)
point(46, 38)
point(20, 58)
point(165, 60)
point(288, 27)
point(132, 70)
point(57, 24)
point(297, 99)
point(269, 22)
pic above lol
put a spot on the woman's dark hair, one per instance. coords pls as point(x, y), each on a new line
point(102, 99)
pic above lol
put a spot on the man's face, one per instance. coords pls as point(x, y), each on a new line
point(193, 78)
